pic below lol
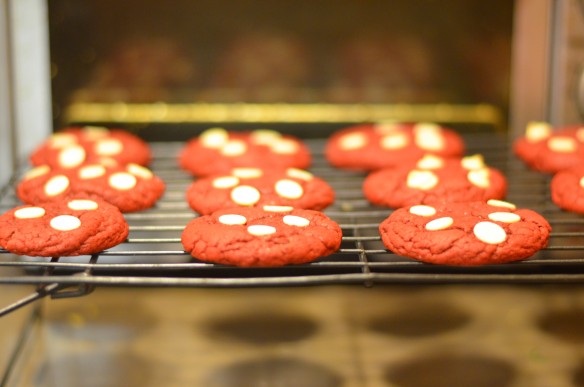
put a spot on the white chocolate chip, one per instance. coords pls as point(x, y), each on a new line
point(225, 182)
point(423, 180)
point(232, 219)
point(490, 233)
point(71, 156)
point(108, 161)
point(214, 138)
point(234, 148)
point(386, 127)
point(289, 189)
point(247, 173)
point(140, 171)
point(501, 203)
point(62, 140)
point(505, 217)
point(284, 146)
point(91, 172)
point(109, 147)
point(439, 224)
point(582, 182)
point(562, 144)
point(479, 177)
point(122, 181)
point(82, 205)
point(56, 185)
point(473, 162)
point(429, 137)
point(299, 174)
point(394, 140)
point(264, 136)
point(95, 132)
point(430, 162)
point(65, 223)
point(352, 141)
point(260, 230)
point(272, 208)
point(422, 210)
point(36, 172)
point(537, 131)
point(245, 195)
point(29, 213)
point(293, 220)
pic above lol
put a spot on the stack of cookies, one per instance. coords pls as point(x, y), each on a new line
point(448, 207)
point(82, 180)
point(259, 205)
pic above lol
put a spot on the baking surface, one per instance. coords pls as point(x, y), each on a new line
point(393, 336)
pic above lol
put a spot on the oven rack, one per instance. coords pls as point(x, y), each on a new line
point(153, 255)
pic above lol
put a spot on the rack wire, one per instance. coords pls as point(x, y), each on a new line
point(153, 254)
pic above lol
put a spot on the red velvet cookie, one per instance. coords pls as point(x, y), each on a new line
point(253, 187)
point(567, 189)
point(375, 146)
point(129, 187)
point(272, 236)
point(218, 151)
point(72, 147)
point(433, 179)
point(465, 234)
point(67, 228)
point(547, 150)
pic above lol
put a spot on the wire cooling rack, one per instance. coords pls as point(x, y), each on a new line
point(153, 254)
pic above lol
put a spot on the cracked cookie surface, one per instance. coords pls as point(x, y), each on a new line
point(261, 237)
point(465, 234)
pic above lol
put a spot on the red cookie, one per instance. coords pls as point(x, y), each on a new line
point(245, 187)
point(72, 147)
point(465, 234)
point(567, 188)
point(375, 146)
point(547, 150)
point(433, 179)
point(67, 228)
point(218, 151)
point(272, 236)
point(130, 187)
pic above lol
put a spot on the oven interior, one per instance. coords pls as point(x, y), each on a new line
point(144, 313)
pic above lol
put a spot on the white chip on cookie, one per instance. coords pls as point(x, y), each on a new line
point(122, 181)
point(65, 223)
point(245, 195)
point(274, 208)
point(299, 174)
point(247, 173)
point(430, 162)
point(71, 156)
point(428, 138)
point(423, 180)
point(232, 219)
point(214, 138)
point(439, 224)
point(264, 136)
point(504, 217)
point(56, 185)
point(82, 205)
point(109, 147)
point(36, 172)
point(62, 140)
point(501, 203)
point(394, 140)
point(140, 171)
point(289, 189)
point(225, 182)
point(29, 213)
point(234, 148)
point(422, 210)
point(490, 233)
point(473, 162)
point(479, 177)
point(91, 172)
point(537, 131)
point(284, 146)
point(293, 220)
point(260, 230)
point(352, 141)
point(562, 144)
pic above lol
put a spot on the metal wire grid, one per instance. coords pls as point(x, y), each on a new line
point(153, 255)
